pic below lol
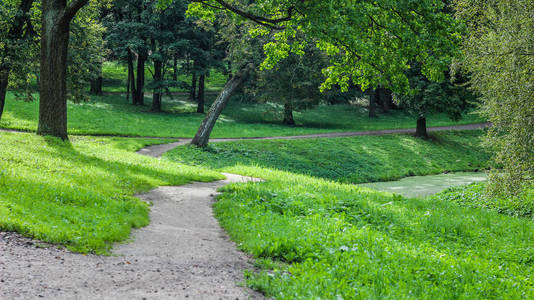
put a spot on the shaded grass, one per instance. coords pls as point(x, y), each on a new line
point(111, 115)
point(349, 159)
point(80, 194)
point(324, 240)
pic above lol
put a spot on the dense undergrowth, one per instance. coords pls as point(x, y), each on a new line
point(80, 193)
point(474, 195)
point(111, 115)
point(355, 159)
point(319, 239)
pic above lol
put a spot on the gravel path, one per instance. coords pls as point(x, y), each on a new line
point(159, 150)
point(182, 254)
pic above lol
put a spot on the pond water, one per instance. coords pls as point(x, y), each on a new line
point(421, 186)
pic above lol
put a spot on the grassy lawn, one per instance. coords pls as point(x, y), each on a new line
point(354, 159)
point(111, 115)
point(80, 193)
point(317, 239)
point(115, 76)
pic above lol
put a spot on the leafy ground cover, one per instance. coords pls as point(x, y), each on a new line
point(111, 115)
point(353, 159)
point(80, 193)
point(473, 195)
point(317, 239)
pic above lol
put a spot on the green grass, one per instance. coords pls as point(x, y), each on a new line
point(115, 76)
point(318, 239)
point(474, 195)
point(111, 115)
point(80, 193)
point(354, 159)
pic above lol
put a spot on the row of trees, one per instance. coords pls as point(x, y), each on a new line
point(400, 50)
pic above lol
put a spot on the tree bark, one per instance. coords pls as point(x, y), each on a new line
point(200, 97)
point(193, 86)
point(203, 134)
point(373, 99)
point(3, 90)
point(288, 114)
point(140, 94)
point(420, 130)
point(156, 98)
point(131, 78)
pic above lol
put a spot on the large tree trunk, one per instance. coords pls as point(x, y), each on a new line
point(156, 98)
point(53, 84)
point(131, 78)
point(373, 99)
point(3, 90)
point(201, 87)
point(140, 94)
point(288, 114)
point(203, 134)
point(193, 86)
point(420, 130)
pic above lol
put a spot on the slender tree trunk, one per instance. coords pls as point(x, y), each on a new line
point(288, 114)
point(203, 134)
point(156, 98)
point(175, 68)
point(373, 99)
point(201, 87)
point(131, 77)
point(53, 84)
point(140, 94)
point(96, 84)
point(4, 75)
point(420, 130)
point(193, 86)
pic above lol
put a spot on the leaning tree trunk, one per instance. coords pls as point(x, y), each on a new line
point(3, 90)
point(156, 98)
point(288, 114)
point(140, 95)
point(200, 97)
point(203, 134)
point(420, 130)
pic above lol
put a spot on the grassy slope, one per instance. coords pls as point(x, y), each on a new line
point(111, 115)
point(354, 159)
point(320, 239)
point(80, 194)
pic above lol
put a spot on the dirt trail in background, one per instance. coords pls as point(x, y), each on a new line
point(183, 253)
point(159, 150)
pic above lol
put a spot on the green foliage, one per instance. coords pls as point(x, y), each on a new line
point(474, 196)
point(341, 241)
point(498, 53)
point(80, 195)
point(352, 160)
point(112, 115)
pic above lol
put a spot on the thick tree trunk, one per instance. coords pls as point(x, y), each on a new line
point(140, 94)
point(203, 134)
point(175, 68)
point(53, 83)
point(3, 90)
point(156, 99)
point(200, 97)
point(420, 130)
point(288, 114)
point(131, 78)
point(373, 99)
point(193, 86)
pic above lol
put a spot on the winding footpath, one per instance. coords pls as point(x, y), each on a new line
point(182, 254)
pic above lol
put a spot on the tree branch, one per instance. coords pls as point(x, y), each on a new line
point(71, 10)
